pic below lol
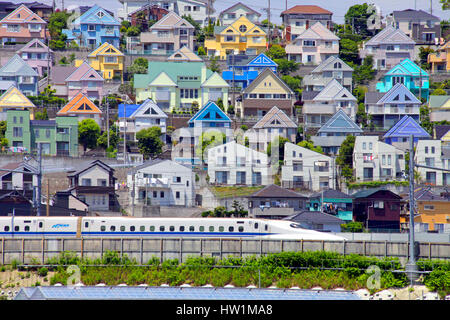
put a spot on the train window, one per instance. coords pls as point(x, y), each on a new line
point(201, 228)
point(27, 228)
point(266, 227)
point(256, 225)
point(102, 228)
point(211, 229)
point(152, 228)
point(181, 228)
point(221, 229)
point(172, 228)
point(231, 229)
point(41, 224)
point(142, 228)
point(86, 224)
point(191, 228)
point(295, 225)
point(16, 228)
point(241, 229)
point(6, 228)
point(132, 228)
point(122, 228)
point(113, 228)
point(161, 228)
point(240, 222)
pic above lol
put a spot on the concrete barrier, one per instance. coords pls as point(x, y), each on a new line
point(29, 251)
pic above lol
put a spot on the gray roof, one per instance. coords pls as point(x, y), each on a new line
point(441, 130)
point(414, 15)
point(373, 97)
point(44, 123)
point(274, 191)
point(16, 66)
point(446, 152)
point(59, 74)
point(331, 193)
point(309, 95)
point(328, 65)
point(315, 217)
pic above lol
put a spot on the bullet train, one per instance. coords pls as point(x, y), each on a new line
point(88, 227)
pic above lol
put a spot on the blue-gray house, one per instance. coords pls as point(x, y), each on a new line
point(19, 73)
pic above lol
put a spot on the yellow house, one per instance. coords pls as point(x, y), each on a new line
point(13, 98)
point(241, 37)
point(440, 61)
point(107, 60)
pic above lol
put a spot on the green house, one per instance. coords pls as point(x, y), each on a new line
point(58, 137)
point(332, 202)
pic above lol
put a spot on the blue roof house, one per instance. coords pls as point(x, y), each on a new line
point(409, 74)
point(93, 28)
point(18, 73)
point(243, 69)
point(402, 131)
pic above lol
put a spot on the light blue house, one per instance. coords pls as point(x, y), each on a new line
point(246, 68)
point(93, 28)
point(20, 74)
point(402, 131)
point(333, 202)
point(410, 75)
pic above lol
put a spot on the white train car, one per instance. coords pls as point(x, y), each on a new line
point(88, 227)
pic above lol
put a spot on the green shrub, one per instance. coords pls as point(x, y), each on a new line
point(43, 272)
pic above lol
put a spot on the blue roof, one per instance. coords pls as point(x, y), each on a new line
point(340, 122)
point(210, 112)
point(406, 127)
point(91, 16)
point(129, 108)
point(262, 61)
point(177, 293)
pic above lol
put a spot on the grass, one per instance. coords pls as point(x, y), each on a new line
point(234, 191)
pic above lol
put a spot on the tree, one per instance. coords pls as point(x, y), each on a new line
point(42, 115)
point(149, 142)
point(58, 22)
point(294, 83)
point(280, 141)
point(348, 51)
point(209, 139)
point(201, 51)
point(357, 17)
point(439, 92)
point(445, 4)
point(286, 66)
point(425, 121)
point(345, 157)
point(276, 52)
point(310, 145)
point(88, 133)
point(214, 65)
point(102, 141)
point(423, 57)
point(364, 72)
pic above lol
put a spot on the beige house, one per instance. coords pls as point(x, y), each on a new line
point(168, 35)
point(314, 45)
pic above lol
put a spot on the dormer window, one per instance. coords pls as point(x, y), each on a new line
point(100, 14)
point(242, 28)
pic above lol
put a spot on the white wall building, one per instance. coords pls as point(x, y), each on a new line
point(428, 153)
point(234, 164)
point(374, 160)
point(162, 182)
point(307, 169)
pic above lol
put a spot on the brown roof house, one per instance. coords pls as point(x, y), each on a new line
point(264, 93)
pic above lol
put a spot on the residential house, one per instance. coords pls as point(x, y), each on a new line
point(331, 135)
point(146, 14)
point(175, 85)
point(240, 37)
point(168, 35)
point(38, 56)
point(24, 77)
point(162, 183)
point(306, 169)
point(432, 212)
point(374, 160)
point(94, 185)
point(386, 109)
point(446, 164)
point(64, 203)
point(377, 209)
point(440, 60)
point(184, 54)
point(14, 203)
point(429, 153)
point(243, 69)
point(439, 107)
point(83, 108)
point(275, 202)
point(388, 47)
point(58, 137)
point(13, 99)
point(141, 116)
point(332, 202)
point(21, 26)
point(229, 15)
point(301, 17)
point(423, 27)
point(408, 73)
point(318, 221)
point(274, 124)
point(57, 80)
point(331, 68)
point(319, 107)
point(313, 46)
point(19, 181)
point(399, 135)
point(234, 164)
point(93, 28)
point(442, 132)
point(41, 9)
point(263, 93)
point(107, 60)
point(84, 79)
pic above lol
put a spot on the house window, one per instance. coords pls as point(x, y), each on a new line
point(309, 43)
point(242, 28)
point(428, 207)
point(91, 27)
point(13, 28)
point(86, 182)
point(111, 59)
point(177, 179)
point(101, 182)
point(177, 194)
point(17, 132)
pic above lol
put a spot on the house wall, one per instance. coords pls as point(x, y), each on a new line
point(424, 154)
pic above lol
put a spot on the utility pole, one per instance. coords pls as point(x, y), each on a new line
point(411, 267)
point(268, 18)
point(39, 178)
point(125, 132)
point(107, 115)
point(48, 198)
point(233, 86)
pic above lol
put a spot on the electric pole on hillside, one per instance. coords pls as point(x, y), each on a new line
point(411, 267)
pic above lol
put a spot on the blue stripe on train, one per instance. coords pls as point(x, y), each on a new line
point(139, 233)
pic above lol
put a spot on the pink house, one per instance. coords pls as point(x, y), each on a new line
point(37, 55)
point(85, 80)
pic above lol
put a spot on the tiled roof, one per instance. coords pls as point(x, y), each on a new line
point(414, 15)
point(59, 74)
point(274, 191)
point(441, 130)
point(84, 72)
point(277, 115)
point(245, 6)
point(310, 9)
point(390, 35)
point(315, 217)
point(340, 122)
point(35, 45)
point(329, 63)
point(16, 66)
point(266, 73)
point(317, 31)
point(184, 54)
point(405, 127)
point(79, 104)
point(171, 20)
point(14, 98)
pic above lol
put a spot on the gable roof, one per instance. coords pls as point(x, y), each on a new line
point(215, 80)
point(223, 30)
point(267, 72)
point(334, 91)
point(309, 9)
point(399, 94)
point(16, 66)
point(440, 131)
point(406, 127)
point(407, 67)
point(84, 72)
point(230, 9)
point(171, 20)
point(414, 15)
point(274, 191)
point(390, 35)
point(35, 45)
point(94, 163)
point(79, 104)
point(317, 31)
point(209, 112)
point(315, 217)
point(13, 97)
point(340, 122)
point(437, 102)
point(370, 192)
point(93, 16)
point(330, 193)
point(262, 60)
point(275, 115)
point(22, 14)
point(328, 65)
point(106, 49)
point(184, 54)
point(148, 109)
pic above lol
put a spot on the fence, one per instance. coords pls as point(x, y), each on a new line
point(31, 250)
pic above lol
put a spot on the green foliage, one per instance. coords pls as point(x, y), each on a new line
point(438, 92)
point(209, 139)
point(88, 133)
point(352, 226)
point(149, 142)
point(293, 82)
point(376, 184)
point(278, 145)
point(348, 51)
point(286, 66)
point(102, 141)
point(423, 57)
point(214, 65)
point(43, 272)
point(357, 17)
point(310, 145)
point(363, 72)
point(201, 51)
point(276, 52)
point(57, 22)
point(133, 31)
point(41, 115)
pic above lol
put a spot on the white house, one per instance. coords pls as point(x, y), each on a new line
point(304, 168)
point(163, 183)
point(229, 15)
point(428, 153)
point(374, 160)
point(234, 164)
